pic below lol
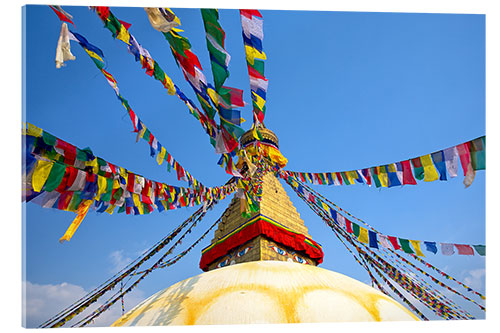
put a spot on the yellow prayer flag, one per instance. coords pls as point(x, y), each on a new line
point(93, 55)
point(213, 96)
point(34, 131)
point(124, 35)
point(252, 54)
point(110, 209)
point(138, 203)
point(170, 86)
point(382, 175)
point(430, 172)
point(161, 155)
point(416, 246)
point(93, 164)
point(40, 174)
point(101, 187)
point(363, 235)
point(276, 156)
point(83, 208)
point(258, 100)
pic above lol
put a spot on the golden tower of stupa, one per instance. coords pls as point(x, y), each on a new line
point(275, 207)
point(263, 269)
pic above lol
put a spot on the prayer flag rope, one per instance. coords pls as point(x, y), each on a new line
point(355, 232)
point(442, 165)
point(480, 249)
point(160, 262)
point(429, 299)
point(121, 32)
point(76, 308)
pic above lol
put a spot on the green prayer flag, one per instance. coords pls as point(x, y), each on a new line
point(480, 249)
point(375, 178)
point(405, 245)
point(158, 73)
point(121, 209)
point(344, 177)
point(418, 169)
point(49, 139)
point(55, 177)
point(355, 229)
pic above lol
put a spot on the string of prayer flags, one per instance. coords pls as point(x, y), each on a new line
point(253, 35)
point(139, 127)
point(152, 67)
point(363, 234)
point(224, 98)
point(68, 175)
point(329, 215)
point(229, 131)
point(441, 165)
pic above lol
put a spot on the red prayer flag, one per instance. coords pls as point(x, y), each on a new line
point(125, 24)
point(339, 177)
point(62, 16)
point(250, 12)
point(348, 226)
point(464, 249)
point(394, 242)
point(407, 174)
point(464, 153)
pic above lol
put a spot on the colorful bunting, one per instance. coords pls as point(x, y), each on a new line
point(440, 165)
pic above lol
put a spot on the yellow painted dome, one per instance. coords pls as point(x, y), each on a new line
point(265, 292)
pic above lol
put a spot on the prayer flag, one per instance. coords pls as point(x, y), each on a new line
point(464, 249)
point(418, 169)
point(363, 235)
point(430, 173)
point(439, 162)
point(394, 242)
point(162, 19)
point(451, 161)
point(373, 239)
point(416, 246)
point(355, 229)
point(431, 247)
point(83, 208)
point(480, 249)
point(478, 154)
point(465, 160)
point(384, 241)
point(407, 174)
point(447, 249)
point(40, 174)
point(405, 245)
point(63, 50)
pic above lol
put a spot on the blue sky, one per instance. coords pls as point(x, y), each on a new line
point(346, 91)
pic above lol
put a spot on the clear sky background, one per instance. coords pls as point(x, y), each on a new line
point(346, 91)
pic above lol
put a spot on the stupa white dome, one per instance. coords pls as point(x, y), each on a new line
point(265, 292)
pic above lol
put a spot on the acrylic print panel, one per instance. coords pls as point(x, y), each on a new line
point(345, 91)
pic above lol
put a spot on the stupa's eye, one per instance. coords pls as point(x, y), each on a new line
point(279, 251)
point(223, 263)
point(243, 252)
point(300, 260)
